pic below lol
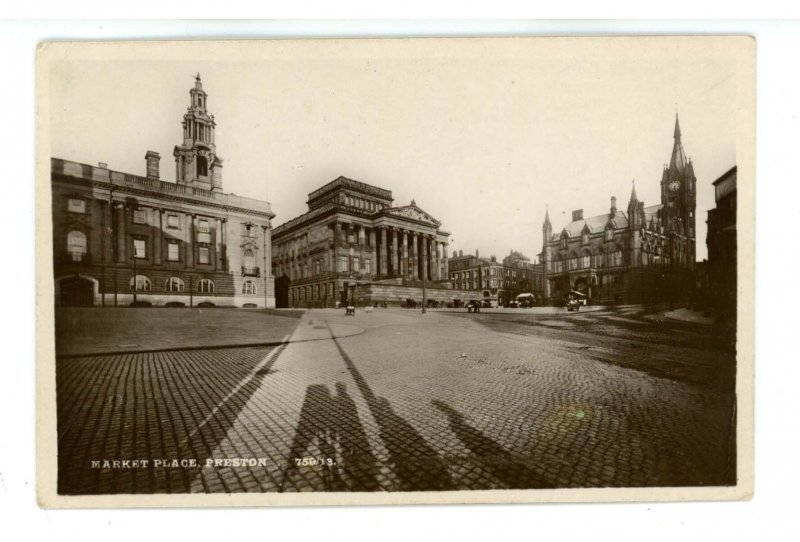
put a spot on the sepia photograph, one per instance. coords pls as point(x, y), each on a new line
point(385, 271)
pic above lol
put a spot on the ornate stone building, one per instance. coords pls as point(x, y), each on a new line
point(120, 238)
point(497, 283)
point(353, 246)
point(634, 255)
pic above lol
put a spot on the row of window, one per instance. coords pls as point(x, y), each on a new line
point(608, 235)
point(142, 283)
point(313, 292)
point(608, 259)
point(77, 248)
point(141, 216)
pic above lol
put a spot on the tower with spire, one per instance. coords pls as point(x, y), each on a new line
point(196, 160)
point(679, 199)
point(630, 253)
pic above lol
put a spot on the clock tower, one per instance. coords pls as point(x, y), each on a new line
point(679, 199)
point(196, 161)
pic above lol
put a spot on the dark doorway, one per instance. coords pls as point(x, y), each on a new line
point(282, 292)
point(76, 292)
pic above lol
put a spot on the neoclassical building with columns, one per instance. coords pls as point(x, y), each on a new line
point(120, 238)
point(354, 246)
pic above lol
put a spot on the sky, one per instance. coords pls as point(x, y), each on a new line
point(483, 134)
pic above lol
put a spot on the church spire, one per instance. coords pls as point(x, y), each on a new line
point(634, 198)
point(678, 160)
point(547, 225)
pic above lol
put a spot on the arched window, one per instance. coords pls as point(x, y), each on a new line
point(249, 287)
point(573, 261)
point(609, 233)
point(617, 258)
point(586, 260)
point(202, 166)
point(599, 258)
point(76, 245)
point(140, 283)
point(205, 286)
point(174, 284)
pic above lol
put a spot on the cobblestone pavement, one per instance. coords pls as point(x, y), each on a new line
point(434, 402)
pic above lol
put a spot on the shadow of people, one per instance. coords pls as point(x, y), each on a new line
point(417, 466)
point(498, 461)
point(330, 433)
point(358, 463)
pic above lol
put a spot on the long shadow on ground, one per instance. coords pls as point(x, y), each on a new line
point(492, 457)
point(330, 433)
point(416, 464)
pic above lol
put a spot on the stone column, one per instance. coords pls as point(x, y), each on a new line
point(122, 250)
point(337, 241)
point(361, 247)
point(374, 254)
point(434, 259)
point(218, 244)
point(384, 254)
point(268, 254)
point(414, 256)
point(404, 261)
point(189, 240)
point(156, 236)
point(393, 233)
point(425, 257)
point(223, 240)
point(445, 264)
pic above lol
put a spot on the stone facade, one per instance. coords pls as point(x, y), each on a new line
point(353, 245)
point(644, 254)
point(497, 283)
point(185, 242)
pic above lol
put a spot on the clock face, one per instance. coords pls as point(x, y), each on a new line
point(674, 185)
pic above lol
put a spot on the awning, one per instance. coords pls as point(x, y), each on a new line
point(575, 292)
point(525, 295)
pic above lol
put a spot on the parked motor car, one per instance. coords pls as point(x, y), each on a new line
point(573, 305)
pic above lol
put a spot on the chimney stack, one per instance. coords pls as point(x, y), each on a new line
point(152, 158)
point(613, 206)
point(578, 215)
point(477, 254)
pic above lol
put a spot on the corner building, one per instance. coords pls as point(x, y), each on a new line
point(498, 282)
point(119, 236)
point(354, 246)
point(635, 255)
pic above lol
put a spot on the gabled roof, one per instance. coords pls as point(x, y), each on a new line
point(595, 223)
point(650, 212)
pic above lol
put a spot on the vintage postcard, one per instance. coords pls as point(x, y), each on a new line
point(387, 271)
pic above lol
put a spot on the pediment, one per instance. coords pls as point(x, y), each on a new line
point(414, 213)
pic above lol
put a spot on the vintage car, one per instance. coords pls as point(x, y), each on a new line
point(573, 305)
